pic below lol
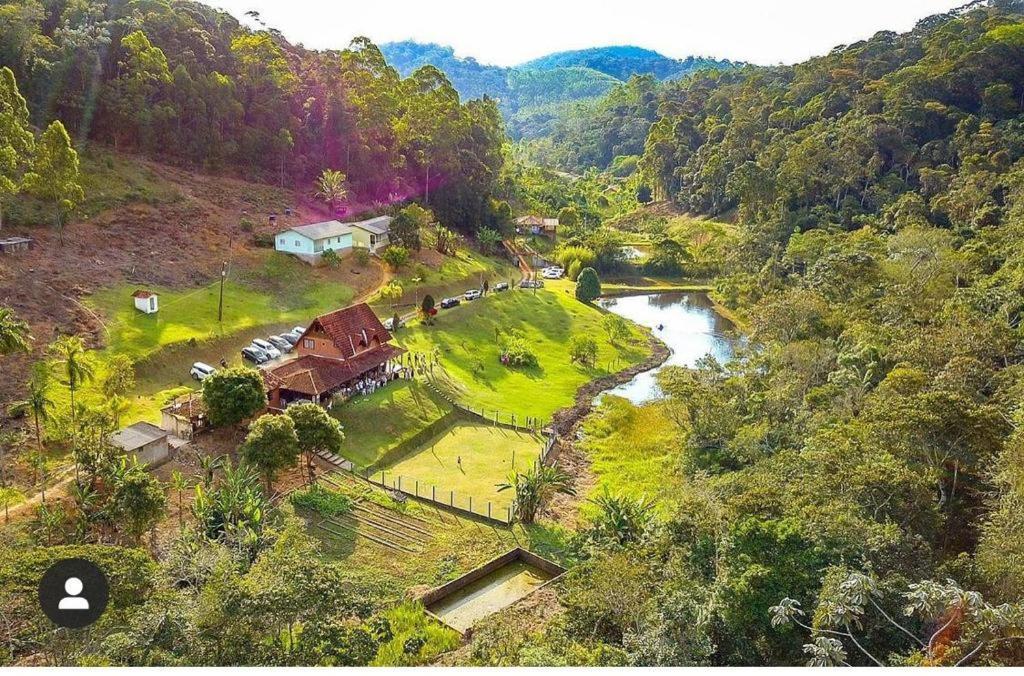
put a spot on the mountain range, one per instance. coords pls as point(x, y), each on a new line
point(536, 91)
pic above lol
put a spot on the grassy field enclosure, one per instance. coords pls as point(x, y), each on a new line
point(467, 342)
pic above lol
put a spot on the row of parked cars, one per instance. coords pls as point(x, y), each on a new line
point(260, 351)
point(472, 294)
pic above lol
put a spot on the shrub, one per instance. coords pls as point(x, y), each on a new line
point(573, 270)
point(588, 286)
point(583, 350)
point(516, 351)
point(331, 258)
point(322, 501)
point(395, 256)
point(361, 256)
point(246, 225)
point(567, 254)
point(263, 240)
point(415, 637)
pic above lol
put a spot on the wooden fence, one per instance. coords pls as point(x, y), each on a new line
point(438, 496)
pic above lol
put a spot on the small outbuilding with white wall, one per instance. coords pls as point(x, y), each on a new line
point(146, 301)
point(149, 444)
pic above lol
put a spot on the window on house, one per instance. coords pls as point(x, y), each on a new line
point(308, 344)
point(298, 244)
point(282, 241)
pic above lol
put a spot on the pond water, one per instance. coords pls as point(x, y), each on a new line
point(686, 322)
point(497, 590)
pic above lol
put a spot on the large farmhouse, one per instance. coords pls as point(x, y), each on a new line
point(309, 242)
point(338, 353)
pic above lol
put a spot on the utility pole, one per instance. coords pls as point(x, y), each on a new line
point(220, 303)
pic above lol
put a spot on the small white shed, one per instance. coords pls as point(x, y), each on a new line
point(148, 443)
point(146, 301)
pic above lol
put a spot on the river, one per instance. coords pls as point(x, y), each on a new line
point(686, 322)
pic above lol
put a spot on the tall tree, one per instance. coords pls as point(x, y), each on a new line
point(232, 395)
point(55, 176)
point(16, 139)
point(75, 366)
point(271, 446)
point(316, 431)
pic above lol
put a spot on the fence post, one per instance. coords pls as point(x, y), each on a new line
point(433, 493)
point(471, 504)
point(382, 477)
point(451, 498)
point(488, 509)
point(417, 488)
point(508, 515)
point(399, 482)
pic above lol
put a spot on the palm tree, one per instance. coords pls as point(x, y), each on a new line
point(14, 333)
point(38, 462)
point(533, 488)
point(39, 402)
point(76, 368)
point(330, 187)
point(180, 483)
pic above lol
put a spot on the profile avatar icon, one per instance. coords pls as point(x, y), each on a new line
point(73, 587)
point(73, 593)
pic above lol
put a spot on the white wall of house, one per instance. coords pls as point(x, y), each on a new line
point(292, 242)
point(149, 304)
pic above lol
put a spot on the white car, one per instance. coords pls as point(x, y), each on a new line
point(201, 371)
point(390, 325)
point(473, 294)
point(271, 351)
point(552, 273)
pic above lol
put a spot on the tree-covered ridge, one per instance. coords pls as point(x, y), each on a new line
point(535, 95)
point(623, 62)
point(180, 81)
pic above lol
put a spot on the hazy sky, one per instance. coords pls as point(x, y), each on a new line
point(513, 31)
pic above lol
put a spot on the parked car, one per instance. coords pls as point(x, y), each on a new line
point(201, 371)
point(255, 355)
point(450, 302)
point(389, 323)
point(501, 286)
point(531, 284)
point(272, 352)
point(553, 272)
point(473, 294)
point(299, 330)
point(292, 338)
point(282, 344)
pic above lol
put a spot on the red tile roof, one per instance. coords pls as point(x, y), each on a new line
point(312, 375)
point(352, 329)
point(141, 293)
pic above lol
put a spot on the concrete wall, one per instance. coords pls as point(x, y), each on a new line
point(154, 453)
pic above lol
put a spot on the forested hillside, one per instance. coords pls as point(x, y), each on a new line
point(182, 82)
point(850, 487)
point(537, 95)
point(624, 62)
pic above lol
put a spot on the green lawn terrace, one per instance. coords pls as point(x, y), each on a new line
point(463, 465)
point(466, 341)
point(186, 329)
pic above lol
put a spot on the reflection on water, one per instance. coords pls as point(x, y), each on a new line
point(686, 322)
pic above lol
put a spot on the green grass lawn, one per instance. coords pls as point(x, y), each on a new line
point(185, 330)
point(633, 451)
point(488, 455)
point(377, 423)
point(466, 340)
